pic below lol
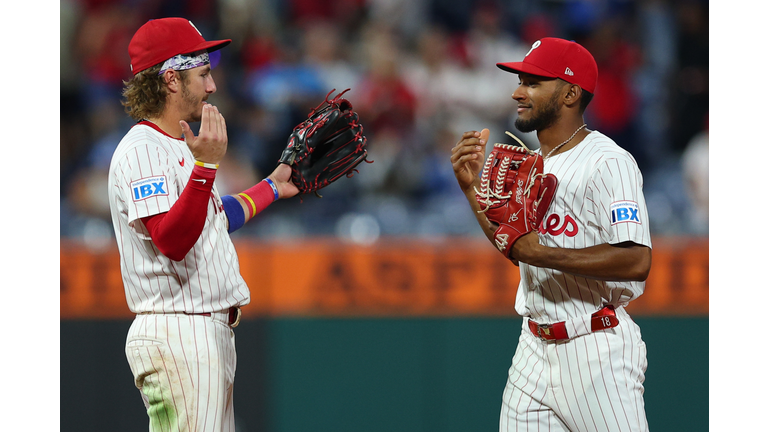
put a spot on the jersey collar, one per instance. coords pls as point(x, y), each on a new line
point(157, 128)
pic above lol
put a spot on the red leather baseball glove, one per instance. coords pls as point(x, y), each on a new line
point(514, 193)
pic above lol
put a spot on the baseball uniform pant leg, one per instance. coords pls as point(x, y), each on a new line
point(599, 379)
point(184, 367)
point(527, 393)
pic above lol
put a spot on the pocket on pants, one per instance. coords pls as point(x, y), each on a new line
point(145, 357)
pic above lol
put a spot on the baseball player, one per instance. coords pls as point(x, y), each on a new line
point(580, 360)
point(178, 263)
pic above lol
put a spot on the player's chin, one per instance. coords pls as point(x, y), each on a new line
point(197, 115)
point(525, 125)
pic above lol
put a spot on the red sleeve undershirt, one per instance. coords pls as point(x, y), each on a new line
point(176, 231)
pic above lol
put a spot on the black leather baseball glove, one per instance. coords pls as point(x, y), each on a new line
point(326, 146)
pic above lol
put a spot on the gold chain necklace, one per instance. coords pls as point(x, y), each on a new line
point(565, 142)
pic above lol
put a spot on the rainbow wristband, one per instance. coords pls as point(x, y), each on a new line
point(274, 188)
point(253, 205)
point(207, 165)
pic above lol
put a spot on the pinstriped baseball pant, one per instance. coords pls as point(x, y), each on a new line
point(592, 383)
point(184, 367)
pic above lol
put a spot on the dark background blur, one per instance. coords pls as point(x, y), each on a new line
point(421, 72)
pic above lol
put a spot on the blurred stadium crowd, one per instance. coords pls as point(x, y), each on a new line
point(420, 72)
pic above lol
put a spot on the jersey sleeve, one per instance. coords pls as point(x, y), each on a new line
point(146, 183)
point(617, 188)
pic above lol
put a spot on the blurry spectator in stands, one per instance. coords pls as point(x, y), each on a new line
point(406, 17)
point(613, 110)
point(348, 15)
point(695, 162)
point(383, 99)
point(104, 32)
point(691, 85)
point(656, 30)
point(387, 109)
point(85, 208)
point(286, 88)
point(488, 101)
point(437, 80)
point(329, 51)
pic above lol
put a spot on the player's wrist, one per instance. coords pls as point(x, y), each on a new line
point(527, 249)
point(207, 164)
point(199, 171)
point(273, 186)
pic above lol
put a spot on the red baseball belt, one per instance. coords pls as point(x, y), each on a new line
point(233, 319)
point(603, 319)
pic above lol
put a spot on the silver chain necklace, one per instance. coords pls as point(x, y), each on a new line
point(565, 142)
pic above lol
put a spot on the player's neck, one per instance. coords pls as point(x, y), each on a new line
point(169, 123)
point(554, 136)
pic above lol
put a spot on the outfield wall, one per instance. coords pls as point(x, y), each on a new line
point(376, 339)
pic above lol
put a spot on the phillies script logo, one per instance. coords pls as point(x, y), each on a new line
point(552, 226)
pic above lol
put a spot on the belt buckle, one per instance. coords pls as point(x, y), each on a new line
point(237, 319)
point(545, 328)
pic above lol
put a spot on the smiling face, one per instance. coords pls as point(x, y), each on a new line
point(538, 102)
point(196, 85)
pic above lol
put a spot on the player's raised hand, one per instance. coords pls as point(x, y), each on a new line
point(210, 145)
point(468, 156)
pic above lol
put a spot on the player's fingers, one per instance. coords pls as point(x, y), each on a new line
point(222, 128)
point(466, 145)
point(206, 125)
point(220, 125)
point(189, 136)
point(473, 139)
point(468, 135)
point(459, 163)
point(466, 149)
point(216, 118)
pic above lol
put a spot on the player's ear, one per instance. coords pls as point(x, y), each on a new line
point(572, 95)
point(172, 80)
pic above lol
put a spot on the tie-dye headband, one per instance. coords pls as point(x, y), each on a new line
point(185, 61)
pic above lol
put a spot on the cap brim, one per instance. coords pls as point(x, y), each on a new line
point(210, 46)
point(521, 67)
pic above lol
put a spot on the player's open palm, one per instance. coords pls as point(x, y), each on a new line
point(467, 157)
point(210, 145)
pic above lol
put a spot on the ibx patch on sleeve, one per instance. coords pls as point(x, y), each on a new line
point(149, 187)
point(625, 211)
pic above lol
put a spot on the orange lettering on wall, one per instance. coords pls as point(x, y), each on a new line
point(324, 277)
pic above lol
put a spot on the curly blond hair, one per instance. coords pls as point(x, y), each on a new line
point(145, 94)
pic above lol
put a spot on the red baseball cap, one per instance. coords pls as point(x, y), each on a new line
point(160, 39)
point(558, 58)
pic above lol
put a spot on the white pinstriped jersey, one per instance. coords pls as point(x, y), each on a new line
point(149, 170)
point(599, 199)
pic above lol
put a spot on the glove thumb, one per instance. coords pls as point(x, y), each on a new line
point(546, 194)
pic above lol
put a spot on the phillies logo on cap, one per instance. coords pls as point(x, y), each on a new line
point(533, 47)
point(193, 26)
